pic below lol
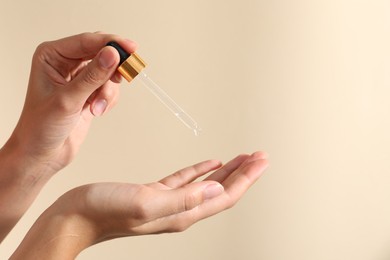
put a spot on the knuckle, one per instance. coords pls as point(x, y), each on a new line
point(112, 101)
point(230, 203)
point(85, 35)
point(99, 32)
point(180, 226)
point(85, 39)
point(109, 93)
point(40, 50)
point(140, 211)
point(64, 105)
point(42, 46)
point(191, 200)
point(178, 175)
point(91, 76)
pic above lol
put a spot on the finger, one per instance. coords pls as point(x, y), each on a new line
point(235, 187)
point(234, 190)
point(87, 45)
point(117, 77)
point(228, 168)
point(189, 174)
point(93, 76)
point(104, 98)
point(244, 177)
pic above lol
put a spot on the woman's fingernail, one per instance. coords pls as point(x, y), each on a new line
point(107, 58)
point(99, 107)
point(212, 191)
point(117, 78)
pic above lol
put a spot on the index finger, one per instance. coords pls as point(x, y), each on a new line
point(87, 45)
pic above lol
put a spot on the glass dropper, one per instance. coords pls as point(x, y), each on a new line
point(131, 66)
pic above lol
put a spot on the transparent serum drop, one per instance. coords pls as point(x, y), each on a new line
point(131, 66)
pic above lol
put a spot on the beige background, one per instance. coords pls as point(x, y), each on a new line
point(307, 81)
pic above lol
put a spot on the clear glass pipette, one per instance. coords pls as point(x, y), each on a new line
point(131, 66)
point(169, 103)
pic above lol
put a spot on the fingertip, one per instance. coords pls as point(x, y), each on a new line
point(259, 155)
point(257, 168)
point(108, 57)
point(116, 78)
point(132, 45)
point(215, 163)
point(265, 163)
point(242, 156)
point(212, 190)
point(256, 156)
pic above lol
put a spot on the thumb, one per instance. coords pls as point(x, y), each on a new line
point(94, 75)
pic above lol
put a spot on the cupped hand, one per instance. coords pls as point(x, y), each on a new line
point(97, 212)
point(170, 205)
point(71, 81)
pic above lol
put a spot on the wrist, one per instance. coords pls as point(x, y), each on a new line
point(23, 163)
point(20, 182)
point(59, 233)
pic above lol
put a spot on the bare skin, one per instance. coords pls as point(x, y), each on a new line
point(98, 212)
point(72, 81)
point(65, 91)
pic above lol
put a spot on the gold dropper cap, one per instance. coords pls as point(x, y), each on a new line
point(131, 67)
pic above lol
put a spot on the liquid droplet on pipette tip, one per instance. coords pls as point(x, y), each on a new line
point(197, 131)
